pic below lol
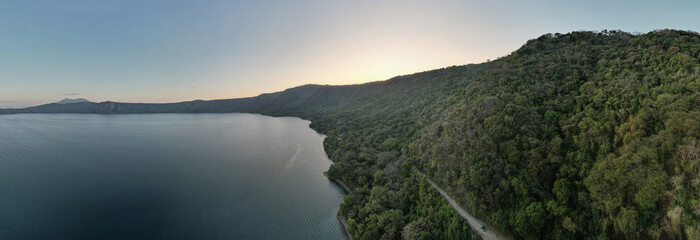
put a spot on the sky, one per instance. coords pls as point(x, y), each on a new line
point(173, 50)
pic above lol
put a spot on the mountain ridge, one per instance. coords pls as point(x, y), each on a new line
point(292, 98)
point(573, 136)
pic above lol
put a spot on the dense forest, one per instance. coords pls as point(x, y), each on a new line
point(573, 136)
point(579, 135)
point(584, 135)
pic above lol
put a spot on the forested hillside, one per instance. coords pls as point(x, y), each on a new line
point(585, 135)
point(580, 135)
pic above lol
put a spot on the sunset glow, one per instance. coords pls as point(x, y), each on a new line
point(159, 51)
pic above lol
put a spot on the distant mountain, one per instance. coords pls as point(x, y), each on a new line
point(573, 136)
point(72, 100)
point(304, 101)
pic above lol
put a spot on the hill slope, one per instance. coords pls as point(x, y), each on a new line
point(573, 136)
point(578, 135)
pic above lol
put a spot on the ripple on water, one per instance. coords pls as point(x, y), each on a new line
point(164, 176)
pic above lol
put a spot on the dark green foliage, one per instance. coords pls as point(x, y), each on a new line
point(577, 135)
point(582, 135)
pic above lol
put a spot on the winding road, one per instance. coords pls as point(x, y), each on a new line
point(474, 223)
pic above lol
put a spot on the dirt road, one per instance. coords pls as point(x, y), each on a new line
point(474, 223)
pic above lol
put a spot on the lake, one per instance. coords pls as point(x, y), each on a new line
point(164, 176)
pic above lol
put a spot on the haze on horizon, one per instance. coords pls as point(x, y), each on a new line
point(167, 51)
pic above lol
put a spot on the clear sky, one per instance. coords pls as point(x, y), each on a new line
point(172, 50)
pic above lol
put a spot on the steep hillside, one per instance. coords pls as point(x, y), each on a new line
point(573, 136)
point(577, 136)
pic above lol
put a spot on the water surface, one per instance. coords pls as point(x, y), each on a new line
point(164, 176)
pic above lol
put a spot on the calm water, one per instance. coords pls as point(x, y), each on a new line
point(164, 176)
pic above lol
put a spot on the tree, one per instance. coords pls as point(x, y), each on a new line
point(531, 220)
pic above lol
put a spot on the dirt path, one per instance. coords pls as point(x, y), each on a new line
point(474, 223)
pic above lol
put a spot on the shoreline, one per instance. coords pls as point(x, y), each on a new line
point(345, 226)
point(342, 221)
point(346, 189)
point(341, 184)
